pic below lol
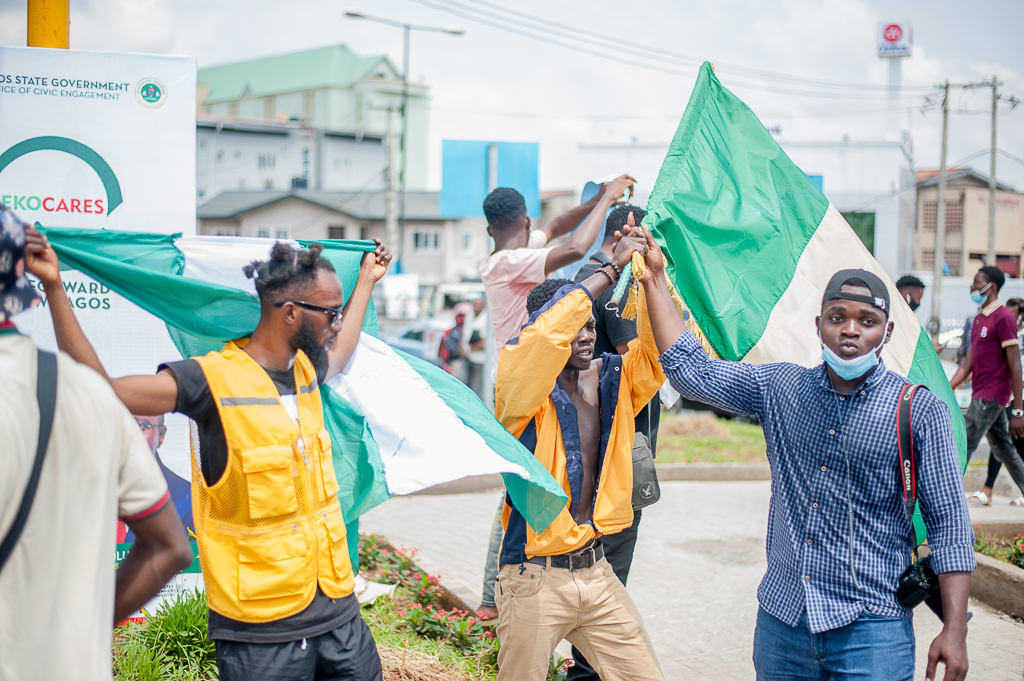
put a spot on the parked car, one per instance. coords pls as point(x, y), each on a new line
point(422, 337)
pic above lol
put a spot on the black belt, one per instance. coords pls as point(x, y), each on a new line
point(580, 560)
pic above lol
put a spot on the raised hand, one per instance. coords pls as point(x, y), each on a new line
point(617, 187)
point(376, 263)
point(654, 259)
point(40, 258)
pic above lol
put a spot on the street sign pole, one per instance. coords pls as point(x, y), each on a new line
point(49, 23)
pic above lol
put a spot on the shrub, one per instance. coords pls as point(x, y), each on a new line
point(1015, 555)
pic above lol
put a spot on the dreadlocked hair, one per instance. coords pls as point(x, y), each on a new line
point(287, 269)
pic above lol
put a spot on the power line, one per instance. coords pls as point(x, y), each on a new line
point(504, 26)
point(661, 54)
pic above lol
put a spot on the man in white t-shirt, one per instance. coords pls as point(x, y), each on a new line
point(522, 258)
point(58, 597)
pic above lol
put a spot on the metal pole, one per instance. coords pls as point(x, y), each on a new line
point(940, 224)
point(391, 207)
point(49, 23)
point(405, 132)
point(990, 258)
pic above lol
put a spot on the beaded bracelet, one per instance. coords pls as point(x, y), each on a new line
point(604, 271)
point(618, 270)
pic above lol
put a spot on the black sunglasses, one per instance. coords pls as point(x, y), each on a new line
point(333, 313)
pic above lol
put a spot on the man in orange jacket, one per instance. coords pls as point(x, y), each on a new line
point(575, 412)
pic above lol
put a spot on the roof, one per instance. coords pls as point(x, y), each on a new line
point(274, 127)
point(954, 174)
point(334, 66)
point(359, 205)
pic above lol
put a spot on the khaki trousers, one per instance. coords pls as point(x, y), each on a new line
point(539, 606)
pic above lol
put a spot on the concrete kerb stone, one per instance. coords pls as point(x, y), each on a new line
point(999, 585)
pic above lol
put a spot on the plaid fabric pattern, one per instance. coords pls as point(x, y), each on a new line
point(817, 488)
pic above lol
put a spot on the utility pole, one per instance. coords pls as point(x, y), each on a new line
point(990, 257)
point(405, 128)
point(940, 224)
point(391, 210)
point(49, 23)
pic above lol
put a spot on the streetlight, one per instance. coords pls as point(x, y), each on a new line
point(354, 13)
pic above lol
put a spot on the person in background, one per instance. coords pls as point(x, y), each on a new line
point(993, 359)
point(60, 595)
point(180, 489)
point(613, 336)
point(911, 288)
point(474, 346)
point(522, 259)
point(450, 350)
point(984, 495)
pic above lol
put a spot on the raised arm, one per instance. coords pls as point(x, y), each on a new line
point(733, 386)
point(372, 267)
point(143, 395)
point(594, 210)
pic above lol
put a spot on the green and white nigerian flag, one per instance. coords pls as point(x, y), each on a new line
point(751, 243)
point(398, 424)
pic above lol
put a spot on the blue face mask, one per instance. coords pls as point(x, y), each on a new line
point(979, 296)
point(849, 369)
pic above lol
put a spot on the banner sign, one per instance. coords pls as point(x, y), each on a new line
point(95, 140)
point(895, 39)
point(98, 139)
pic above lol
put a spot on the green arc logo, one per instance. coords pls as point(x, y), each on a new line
point(77, 149)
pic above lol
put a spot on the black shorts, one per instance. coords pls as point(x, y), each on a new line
point(347, 653)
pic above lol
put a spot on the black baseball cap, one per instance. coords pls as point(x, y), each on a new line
point(878, 299)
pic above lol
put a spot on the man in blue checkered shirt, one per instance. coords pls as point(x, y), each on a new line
point(837, 527)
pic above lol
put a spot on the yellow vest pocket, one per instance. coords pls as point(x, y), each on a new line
point(339, 544)
point(268, 477)
point(329, 479)
point(272, 566)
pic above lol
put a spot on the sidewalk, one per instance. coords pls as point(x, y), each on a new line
point(698, 562)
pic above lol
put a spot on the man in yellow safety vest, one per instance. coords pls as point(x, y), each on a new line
point(271, 536)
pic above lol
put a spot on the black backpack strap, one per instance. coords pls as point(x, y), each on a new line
point(46, 396)
point(907, 461)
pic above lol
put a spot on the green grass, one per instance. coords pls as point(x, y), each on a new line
point(689, 439)
point(389, 632)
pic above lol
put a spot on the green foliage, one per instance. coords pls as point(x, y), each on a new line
point(1015, 554)
point(1007, 550)
point(171, 644)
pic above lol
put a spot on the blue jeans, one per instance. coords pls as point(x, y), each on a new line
point(869, 648)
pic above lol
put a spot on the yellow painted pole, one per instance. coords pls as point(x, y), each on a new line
point(49, 23)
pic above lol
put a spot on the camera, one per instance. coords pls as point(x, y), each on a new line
point(918, 584)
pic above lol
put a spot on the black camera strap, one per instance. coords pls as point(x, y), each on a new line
point(46, 395)
point(907, 463)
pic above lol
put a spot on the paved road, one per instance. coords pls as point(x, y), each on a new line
point(698, 563)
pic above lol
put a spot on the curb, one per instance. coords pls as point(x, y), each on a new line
point(999, 585)
point(721, 472)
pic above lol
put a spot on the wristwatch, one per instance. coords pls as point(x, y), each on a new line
point(1017, 412)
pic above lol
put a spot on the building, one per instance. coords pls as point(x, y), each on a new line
point(329, 89)
point(434, 248)
point(967, 211)
point(241, 156)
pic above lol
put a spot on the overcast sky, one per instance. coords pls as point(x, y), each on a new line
point(495, 85)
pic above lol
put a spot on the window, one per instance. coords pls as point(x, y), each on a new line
point(273, 231)
point(335, 232)
point(226, 231)
point(266, 160)
point(863, 225)
point(413, 335)
point(954, 215)
point(952, 261)
point(466, 242)
point(426, 240)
